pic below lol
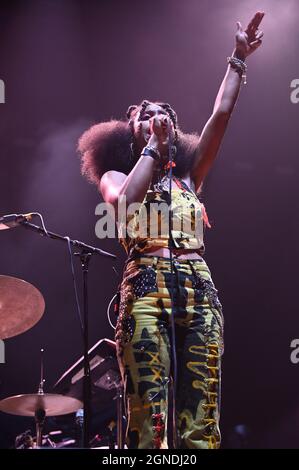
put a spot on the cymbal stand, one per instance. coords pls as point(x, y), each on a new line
point(40, 414)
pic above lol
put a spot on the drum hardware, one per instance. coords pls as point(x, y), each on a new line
point(40, 405)
point(106, 385)
point(86, 251)
point(24, 440)
point(27, 441)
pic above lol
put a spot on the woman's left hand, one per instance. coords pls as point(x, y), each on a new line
point(249, 40)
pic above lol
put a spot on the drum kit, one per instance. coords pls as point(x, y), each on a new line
point(21, 307)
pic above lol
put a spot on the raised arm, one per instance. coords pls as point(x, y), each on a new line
point(246, 43)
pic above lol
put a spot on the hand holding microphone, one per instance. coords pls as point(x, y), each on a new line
point(162, 132)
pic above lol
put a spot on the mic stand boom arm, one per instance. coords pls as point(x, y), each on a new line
point(55, 236)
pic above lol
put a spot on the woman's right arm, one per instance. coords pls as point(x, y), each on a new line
point(134, 186)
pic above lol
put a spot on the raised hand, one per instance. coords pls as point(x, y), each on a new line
point(248, 40)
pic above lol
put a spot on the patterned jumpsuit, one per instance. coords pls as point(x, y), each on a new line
point(143, 334)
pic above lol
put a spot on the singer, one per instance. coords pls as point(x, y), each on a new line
point(166, 278)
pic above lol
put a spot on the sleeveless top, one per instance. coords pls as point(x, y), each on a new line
point(157, 223)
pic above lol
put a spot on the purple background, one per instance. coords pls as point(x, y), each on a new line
point(68, 64)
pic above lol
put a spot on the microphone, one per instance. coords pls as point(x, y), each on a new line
point(13, 220)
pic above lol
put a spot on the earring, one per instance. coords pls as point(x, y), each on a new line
point(173, 151)
point(132, 153)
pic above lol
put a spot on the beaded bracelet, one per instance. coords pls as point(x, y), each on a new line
point(239, 66)
point(150, 151)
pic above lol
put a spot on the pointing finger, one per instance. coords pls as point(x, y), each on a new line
point(239, 26)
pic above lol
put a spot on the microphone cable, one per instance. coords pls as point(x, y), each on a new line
point(172, 322)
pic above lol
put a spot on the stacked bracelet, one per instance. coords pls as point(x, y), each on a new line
point(150, 151)
point(239, 66)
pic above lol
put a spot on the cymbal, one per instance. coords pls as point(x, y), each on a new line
point(28, 404)
point(21, 306)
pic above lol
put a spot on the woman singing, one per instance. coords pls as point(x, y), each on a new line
point(166, 281)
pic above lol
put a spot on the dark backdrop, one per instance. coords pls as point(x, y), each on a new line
point(67, 64)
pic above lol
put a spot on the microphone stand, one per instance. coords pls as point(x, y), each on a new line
point(85, 257)
point(86, 251)
point(172, 322)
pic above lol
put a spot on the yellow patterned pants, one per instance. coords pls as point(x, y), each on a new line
point(143, 338)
